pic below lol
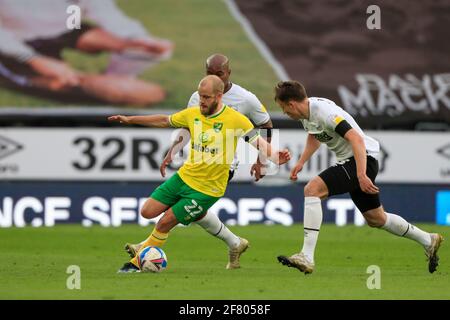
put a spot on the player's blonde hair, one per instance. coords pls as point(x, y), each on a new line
point(215, 82)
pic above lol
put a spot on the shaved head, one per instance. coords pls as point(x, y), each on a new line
point(219, 65)
point(211, 83)
point(217, 61)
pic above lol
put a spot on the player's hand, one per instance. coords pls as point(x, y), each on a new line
point(257, 170)
point(60, 74)
point(167, 160)
point(295, 170)
point(120, 119)
point(283, 156)
point(367, 185)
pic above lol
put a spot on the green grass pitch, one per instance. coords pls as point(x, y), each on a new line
point(34, 261)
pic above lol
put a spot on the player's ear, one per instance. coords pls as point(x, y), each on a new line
point(290, 105)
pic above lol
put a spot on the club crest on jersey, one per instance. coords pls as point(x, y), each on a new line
point(217, 126)
point(196, 121)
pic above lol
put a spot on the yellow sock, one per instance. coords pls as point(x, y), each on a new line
point(156, 239)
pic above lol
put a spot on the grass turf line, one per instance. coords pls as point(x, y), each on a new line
point(33, 264)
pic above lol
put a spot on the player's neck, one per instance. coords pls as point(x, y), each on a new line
point(305, 109)
point(227, 87)
point(218, 110)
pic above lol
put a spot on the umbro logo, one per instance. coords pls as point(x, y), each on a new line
point(8, 147)
point(444, 151)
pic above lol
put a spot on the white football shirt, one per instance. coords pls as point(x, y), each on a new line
point(324, 116)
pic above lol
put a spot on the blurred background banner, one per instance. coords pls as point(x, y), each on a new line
point(397, 76)
point(135, 155)
point(132, 57)
point(112, 204)
point(127, 56)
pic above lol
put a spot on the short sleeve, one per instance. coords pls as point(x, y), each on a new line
point(180, 119)
point(333, 120)
point(249, 133)
point(256, 110)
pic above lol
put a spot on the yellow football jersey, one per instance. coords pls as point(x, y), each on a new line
point(213, 145)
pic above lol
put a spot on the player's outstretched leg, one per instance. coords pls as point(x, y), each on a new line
point(236, 245)
point(304, 261)
point(395, 224)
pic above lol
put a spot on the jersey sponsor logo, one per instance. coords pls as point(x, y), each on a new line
point(200, 148)
point(322, 136)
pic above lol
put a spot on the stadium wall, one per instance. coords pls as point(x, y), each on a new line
point(114, 203)
point(94, 176)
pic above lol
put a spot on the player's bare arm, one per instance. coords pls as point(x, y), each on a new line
point(181, 140)
point(256, 168)
point(278, 157)
point(359, 151)
point(157, 120)
point(312, 144)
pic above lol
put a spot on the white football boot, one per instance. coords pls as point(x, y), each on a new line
point(235, 253)
point(298, 261)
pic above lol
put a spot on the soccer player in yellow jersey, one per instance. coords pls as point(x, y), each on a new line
point(185, 197)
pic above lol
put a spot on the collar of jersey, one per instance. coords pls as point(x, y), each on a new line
point(218, 113)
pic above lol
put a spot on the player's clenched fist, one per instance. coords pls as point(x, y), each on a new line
point(119, 118)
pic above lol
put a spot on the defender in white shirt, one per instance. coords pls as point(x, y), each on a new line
point(355, 173)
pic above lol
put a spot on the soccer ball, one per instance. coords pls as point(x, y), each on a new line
point(152, 259)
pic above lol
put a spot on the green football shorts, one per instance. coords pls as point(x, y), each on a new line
point(187, 204)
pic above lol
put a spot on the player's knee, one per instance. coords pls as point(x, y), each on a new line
point(375, 221)
point(148, 212)
point(311, 190)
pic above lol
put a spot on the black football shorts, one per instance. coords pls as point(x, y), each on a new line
point(342, 178)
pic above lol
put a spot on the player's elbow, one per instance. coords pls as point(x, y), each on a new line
point(164, 122)
point(355, 138)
